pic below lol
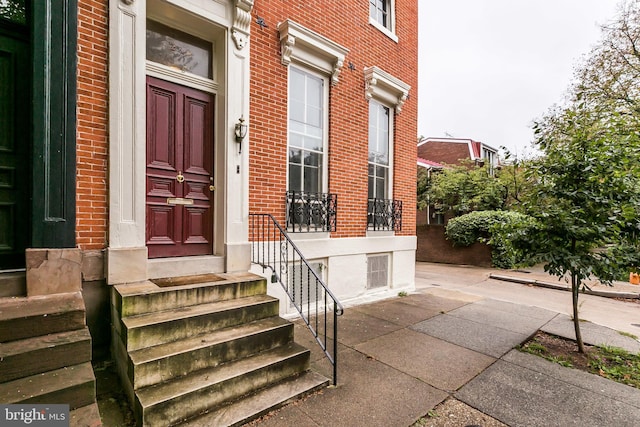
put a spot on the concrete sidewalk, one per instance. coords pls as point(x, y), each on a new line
point(399, 358)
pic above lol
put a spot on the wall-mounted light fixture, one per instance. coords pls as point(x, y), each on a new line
point(241, 132)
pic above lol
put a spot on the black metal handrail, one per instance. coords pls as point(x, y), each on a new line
point(311, 212)
point(384, 215)
point(272, 248)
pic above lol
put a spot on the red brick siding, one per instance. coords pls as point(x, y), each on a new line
point(91, 143)
point(346, 23)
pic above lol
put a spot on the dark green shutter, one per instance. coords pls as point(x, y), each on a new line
point(54, 32)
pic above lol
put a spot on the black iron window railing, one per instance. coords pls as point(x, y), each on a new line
point(311, 212)
point(384, 215)
point(273, 249)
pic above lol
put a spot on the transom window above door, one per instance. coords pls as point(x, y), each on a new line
point(179, 50)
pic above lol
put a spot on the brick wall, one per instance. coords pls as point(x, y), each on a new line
point(433, 246)
point(346, 23)
point(91, 163)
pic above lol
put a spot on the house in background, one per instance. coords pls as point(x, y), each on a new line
point(161, 128)
point(453, 150)
point(436, 154)
point(429, 215)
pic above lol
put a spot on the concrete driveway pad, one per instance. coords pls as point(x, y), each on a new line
point(594, 334)
point(493, 314)
point(483, 338)
point(520, 396)
point(437, 362)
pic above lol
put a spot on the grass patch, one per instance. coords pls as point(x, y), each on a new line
point(627, 334)
point(609, 362)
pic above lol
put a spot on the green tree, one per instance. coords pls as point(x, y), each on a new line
point(587, 198)
point(587, 183)
point(459, 189)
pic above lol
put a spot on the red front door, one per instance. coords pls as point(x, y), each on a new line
point(179, 170)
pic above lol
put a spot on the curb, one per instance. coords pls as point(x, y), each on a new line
point(607, 294)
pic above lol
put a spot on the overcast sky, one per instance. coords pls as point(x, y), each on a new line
point(488, 68)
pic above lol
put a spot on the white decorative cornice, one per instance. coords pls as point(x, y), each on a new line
point(303, 45)
point(384, 87)
point(242, 23)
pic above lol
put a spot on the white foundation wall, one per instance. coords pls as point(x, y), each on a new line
point(345, 267)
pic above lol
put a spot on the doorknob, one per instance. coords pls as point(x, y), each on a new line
point(180, 177)
point(211, 186)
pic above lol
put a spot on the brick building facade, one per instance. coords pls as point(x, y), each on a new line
point(134, 169)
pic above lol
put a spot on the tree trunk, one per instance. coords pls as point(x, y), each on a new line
point(575, 288)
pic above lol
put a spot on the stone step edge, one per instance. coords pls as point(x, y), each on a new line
point(148, 287)
point(14, 353)
point(30, 388)
point(171, 315)
point(197, 342)
point(208, 377)
point(262, 402)
point(14, 308)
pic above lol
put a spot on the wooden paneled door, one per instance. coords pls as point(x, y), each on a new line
point(179, 177)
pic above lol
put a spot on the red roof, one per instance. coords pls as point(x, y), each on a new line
point(429, 163)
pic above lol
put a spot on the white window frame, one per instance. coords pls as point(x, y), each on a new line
point(390, 29)
point(390, 139)
point(324, 185)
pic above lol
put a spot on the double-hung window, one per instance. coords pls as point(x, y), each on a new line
point(379, 151)
point(306, 131)
point(314, 62)
point(381, 15)
point(386, 96)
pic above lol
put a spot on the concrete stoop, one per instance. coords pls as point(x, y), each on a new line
point(45, 354)
point(206, 352)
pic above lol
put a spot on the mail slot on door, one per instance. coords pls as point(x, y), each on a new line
point(179, 201)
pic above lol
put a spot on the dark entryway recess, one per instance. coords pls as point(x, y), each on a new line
point(38, 42)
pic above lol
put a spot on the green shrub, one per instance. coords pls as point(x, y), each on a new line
point(499, 229)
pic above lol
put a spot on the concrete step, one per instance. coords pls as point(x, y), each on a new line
point(264, 401)
point(32, 356)
point(151, 329)
point(22, 318)
point(148, 297)
point(13, 284)
point(164, 362)
point(73, 385)
point(86, 416)
point(182, 398)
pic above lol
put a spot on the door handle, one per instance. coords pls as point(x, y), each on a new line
point(211, 186)
point(180, 177)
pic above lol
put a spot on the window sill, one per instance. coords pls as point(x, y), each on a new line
point(312, 235)
point(380, 233)
point(384, 30)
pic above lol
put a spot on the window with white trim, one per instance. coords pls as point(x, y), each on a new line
point(307, 130)
point(382, 16)
point(379, 151)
